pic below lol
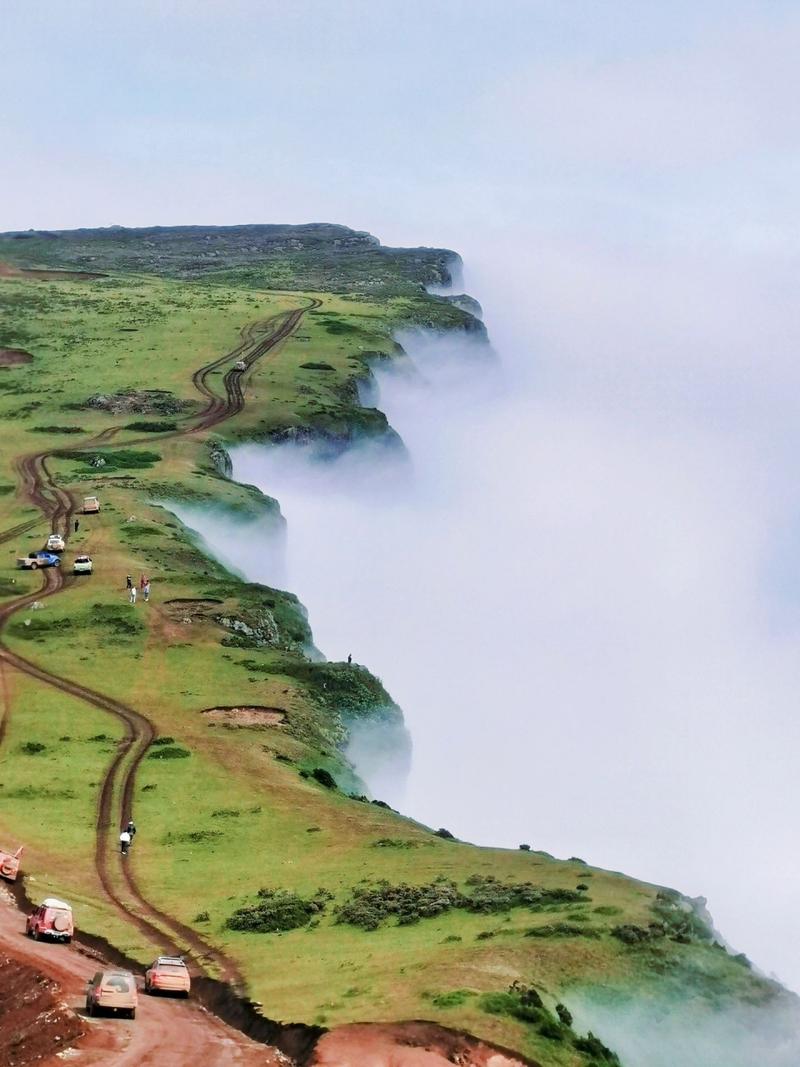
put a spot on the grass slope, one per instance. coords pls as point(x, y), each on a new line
point(237, 810)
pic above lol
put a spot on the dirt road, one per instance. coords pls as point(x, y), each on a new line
point(57, 508)
point(165, 1031)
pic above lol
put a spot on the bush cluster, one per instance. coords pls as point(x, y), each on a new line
point(489, 894)
point(371, 905)
point(524, 1003)
point(169, 752)
point(278, 910)
point(562, 930)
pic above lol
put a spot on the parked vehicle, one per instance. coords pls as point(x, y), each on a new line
point(240, 365)
point(34, 560)
point(168, 974)
point(9, 863)
point(55, 543)
point(82, 565)
point(91, 505)
point(112, 990)
point(52, 919)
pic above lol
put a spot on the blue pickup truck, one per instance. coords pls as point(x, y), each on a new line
point(34, 560)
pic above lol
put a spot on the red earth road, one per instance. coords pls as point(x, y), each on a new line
point(166, 1032)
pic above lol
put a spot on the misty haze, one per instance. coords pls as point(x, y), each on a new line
point(569, 596)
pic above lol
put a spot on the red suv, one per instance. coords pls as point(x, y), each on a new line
point(53, 919)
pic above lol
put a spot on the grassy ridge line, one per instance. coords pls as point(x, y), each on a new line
point(235, 814)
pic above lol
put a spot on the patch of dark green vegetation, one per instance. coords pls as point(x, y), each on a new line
point(8, 587)
point(115, 619)
point(371, 905)
point(316, 366)
point(562, 930)
point(169, 752)
point(165, 740)
point(145, 426)
point(136, 531)
point(278, 910)
point(56, 429)
point(344, 687)
point(676, 920)
point(394, 842)
point(32, 748)
point(525, 1004)
point(226, 813)
point(454, 999)
point(38, 792)
point(194, 837)
point(116, 459)
point(36, 627)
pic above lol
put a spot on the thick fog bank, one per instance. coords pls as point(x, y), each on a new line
point(660, 1033)
point(569, 589)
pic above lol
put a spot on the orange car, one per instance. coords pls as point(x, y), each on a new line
point(112, 990)
point(168, 974)
point(53, 918)
point(9, 863)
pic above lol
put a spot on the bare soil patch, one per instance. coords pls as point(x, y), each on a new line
point(13, 357)
point(409, 1044)
point(247, 715)
point(34, 1020)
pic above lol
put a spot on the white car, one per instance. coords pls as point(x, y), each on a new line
point(82, 565)
point(55, 543)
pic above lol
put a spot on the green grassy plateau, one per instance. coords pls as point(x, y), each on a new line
point(487, 940)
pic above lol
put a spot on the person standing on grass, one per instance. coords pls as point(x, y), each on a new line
point(129, 582)
point(146, 590)
point(77, 524)
point(131, 828)
point(124, 842)
point(133, 594)
point(142, 582)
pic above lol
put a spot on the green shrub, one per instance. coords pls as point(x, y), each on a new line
point(164, 741)
point(56, 429)
point(564, 1014)
point(319, 774)
point(116, 459)
point(169, 752)
point(278, 910)
point(316, 366)
point(32, 748)
point(454, 999)
point(152, 427)
point(561, 930)
point(371, 905)
point(595, 1048)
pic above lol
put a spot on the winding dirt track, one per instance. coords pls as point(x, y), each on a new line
point(57, 506)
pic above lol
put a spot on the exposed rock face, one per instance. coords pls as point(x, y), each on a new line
point(261, 631)
point(139, 402)
point(466, 303)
